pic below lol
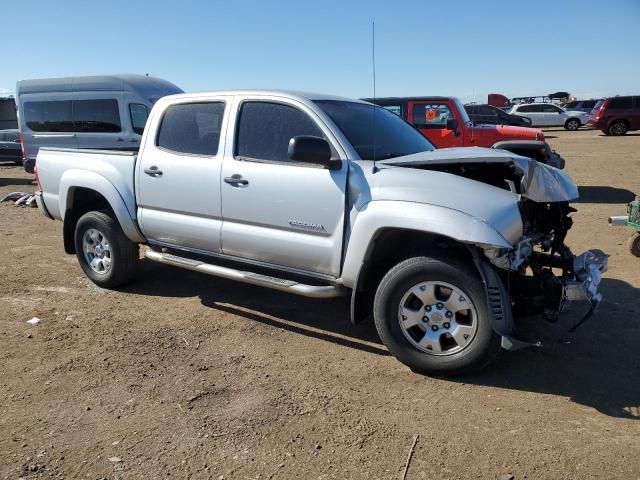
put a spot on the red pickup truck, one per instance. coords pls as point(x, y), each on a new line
point(444, 121)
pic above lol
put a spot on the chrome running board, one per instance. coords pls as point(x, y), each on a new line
point(284, 285)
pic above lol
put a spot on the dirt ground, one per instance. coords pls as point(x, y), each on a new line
point(180, 375)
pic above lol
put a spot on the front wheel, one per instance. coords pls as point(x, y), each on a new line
point(104, 252)
point(634, 244)
point(432, 315)
point(572, 124)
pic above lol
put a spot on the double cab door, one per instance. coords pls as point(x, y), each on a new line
point(217, 180)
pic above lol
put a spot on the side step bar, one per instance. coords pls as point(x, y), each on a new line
point(313, 291)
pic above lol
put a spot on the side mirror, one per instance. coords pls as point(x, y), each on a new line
point(452, 124)
point(310, 149)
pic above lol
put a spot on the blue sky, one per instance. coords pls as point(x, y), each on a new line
point(464, 48)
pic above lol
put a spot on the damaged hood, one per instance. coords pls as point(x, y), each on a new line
point(539, 182)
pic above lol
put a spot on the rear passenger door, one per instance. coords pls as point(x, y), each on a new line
point(97, 119)
point(275, 210)
point(553, 116)
point(178, 176)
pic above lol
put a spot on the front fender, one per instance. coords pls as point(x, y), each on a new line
point(379, 215)
point(74, 178)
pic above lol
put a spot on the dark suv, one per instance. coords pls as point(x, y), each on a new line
point(616, 115)
point(10, 146)
point(490, 115)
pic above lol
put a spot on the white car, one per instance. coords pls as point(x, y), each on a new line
point(550, 115)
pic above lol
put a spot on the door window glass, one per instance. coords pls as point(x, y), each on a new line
point(51, 116)
point(96, 116)
point(431, 115)
point(397, 109)
point(139, 114)
point(192, 128)
point(551, 109)
point(265, 128)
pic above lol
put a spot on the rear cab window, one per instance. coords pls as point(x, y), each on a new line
point(620, 103)
point(191, 128)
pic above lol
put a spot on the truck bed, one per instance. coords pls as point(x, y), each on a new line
point(58, 166)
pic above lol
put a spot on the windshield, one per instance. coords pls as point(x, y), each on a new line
point(393, 137)
point(463, 113)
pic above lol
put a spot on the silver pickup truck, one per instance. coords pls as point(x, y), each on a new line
point(324, 196)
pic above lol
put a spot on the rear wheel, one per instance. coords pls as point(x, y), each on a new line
point(572, 124)
point(432, 315)
point(634, 244)
point(617, 128)
point(105, 254)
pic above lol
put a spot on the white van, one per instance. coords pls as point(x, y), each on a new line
point(105, 112)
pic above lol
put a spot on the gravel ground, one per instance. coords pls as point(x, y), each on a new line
point(180, 375)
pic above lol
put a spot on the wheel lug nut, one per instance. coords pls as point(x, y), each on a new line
point(434, 327)
point(428, 308)
point(446, 325)
point(425, 319)
point(449, 314)
point(439, 305)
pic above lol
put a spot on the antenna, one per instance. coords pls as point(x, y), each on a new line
point(373, 62)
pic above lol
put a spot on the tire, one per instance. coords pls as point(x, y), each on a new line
point(420, 347)
point(572, 124)
point(634, 244)
point(606, 132)
point(99, 237)
point(617, 128)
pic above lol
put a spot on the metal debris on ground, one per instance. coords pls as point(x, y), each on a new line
point(21, 199)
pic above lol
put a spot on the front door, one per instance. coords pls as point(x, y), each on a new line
point(554, 116)
point(431, 119)
point(277, 211)
point(179, 176)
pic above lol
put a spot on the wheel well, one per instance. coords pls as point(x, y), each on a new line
point(623, 120)
point(80, 201)
point(573, 118)
point(387, 249)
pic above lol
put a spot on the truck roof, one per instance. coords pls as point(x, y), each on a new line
point(308, 96)
point(124, 82)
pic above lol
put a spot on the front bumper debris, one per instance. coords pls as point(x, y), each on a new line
point(588, 269)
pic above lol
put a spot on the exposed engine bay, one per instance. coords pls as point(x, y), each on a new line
point(540, 272)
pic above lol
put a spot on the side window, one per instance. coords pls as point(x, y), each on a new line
point(487, 111)
point(139, 114)
point(427, 115)
point(192, 128)
point(100, 116)
point(265, 128)
point(636, 104)
point(524, 109)
point(551, 109)
point(620, 103)
point(397, 109)
point(589, 104)
point(53, 116)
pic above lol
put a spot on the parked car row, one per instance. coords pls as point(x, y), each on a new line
point(10, 146)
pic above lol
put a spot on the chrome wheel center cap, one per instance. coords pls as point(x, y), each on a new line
point(437, 317)
point(98, 250)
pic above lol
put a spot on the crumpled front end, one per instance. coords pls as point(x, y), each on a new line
point(542, 273)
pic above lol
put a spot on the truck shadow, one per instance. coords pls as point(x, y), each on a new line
point(604, 194)
point(598, 369)
point(323, 319)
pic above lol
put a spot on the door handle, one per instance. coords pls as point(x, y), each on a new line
point(153, 171)
point(236, 181)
